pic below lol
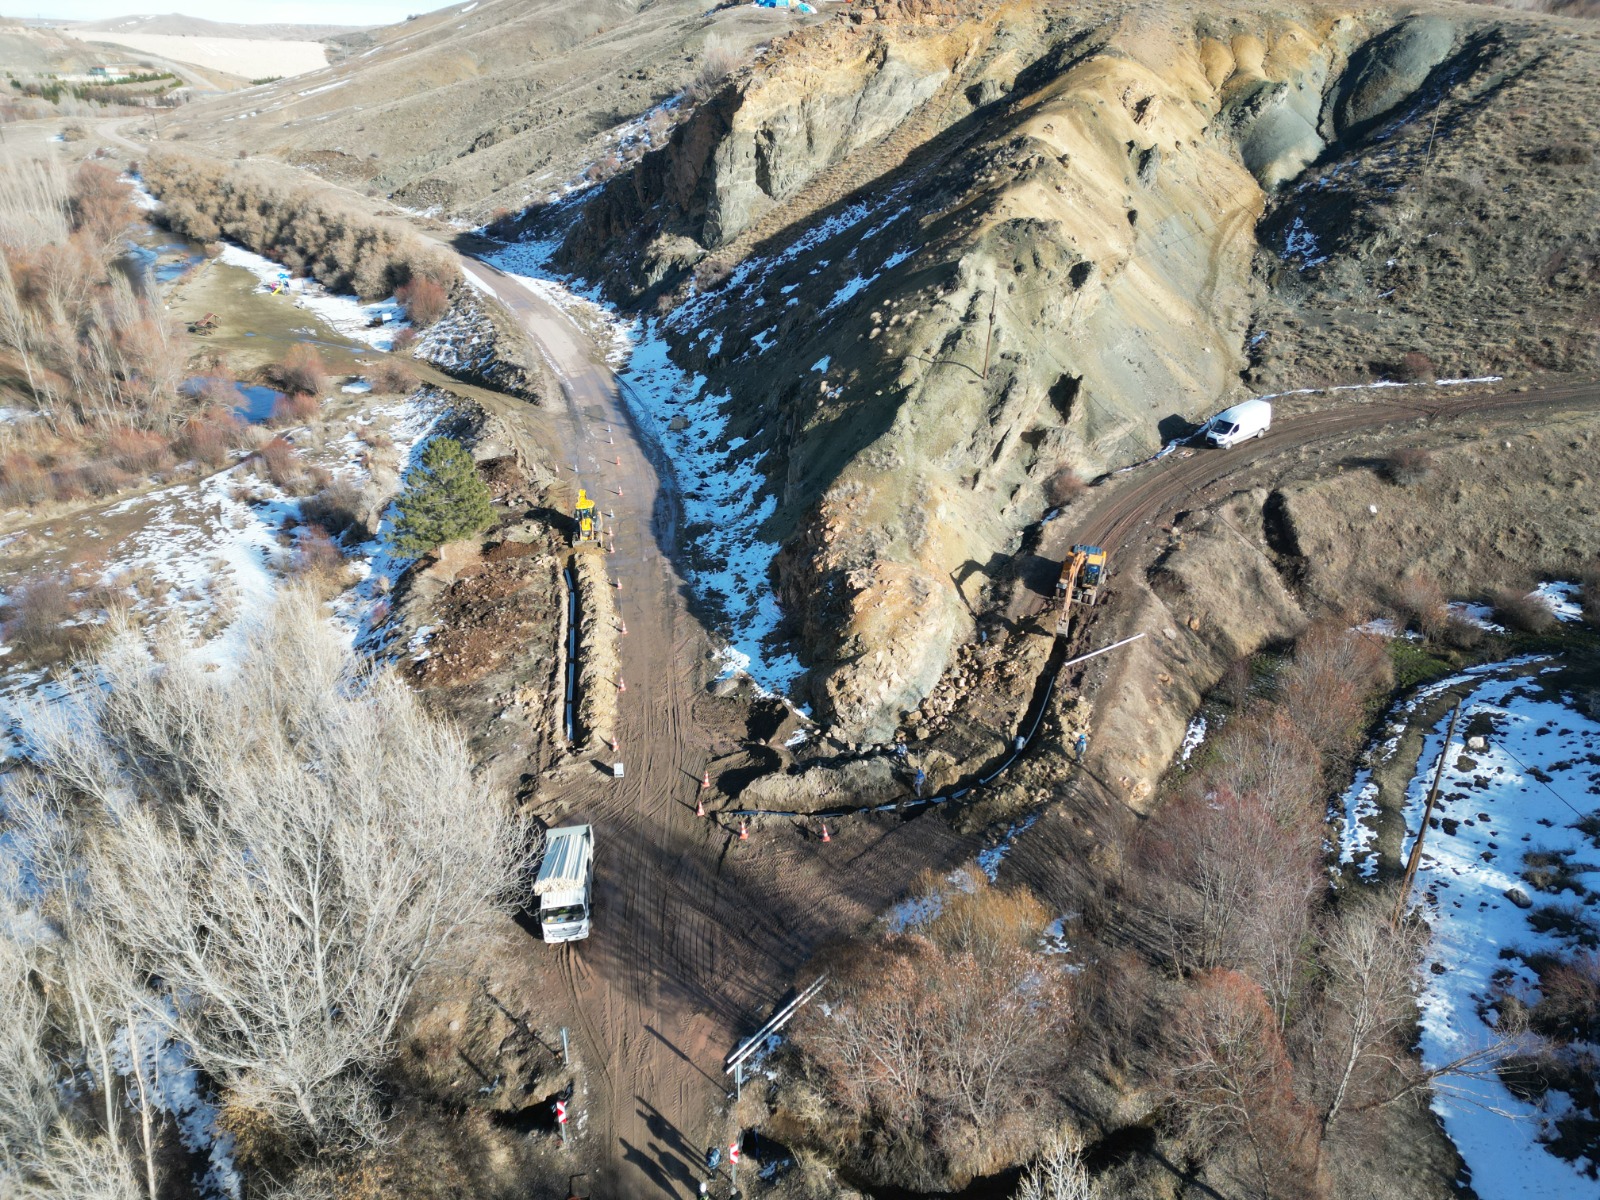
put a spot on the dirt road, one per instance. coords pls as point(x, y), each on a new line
point(696, 933)
point(1156, 491)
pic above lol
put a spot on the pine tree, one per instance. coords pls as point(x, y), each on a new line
point(443, 500)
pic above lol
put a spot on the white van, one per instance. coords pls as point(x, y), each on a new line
point(565, 883)
point(1228, 428)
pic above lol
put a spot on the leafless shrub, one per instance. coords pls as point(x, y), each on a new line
point(404, 339)
point(73, 132)
point(1589, 596)
point(319, 562)
point(1057, 1174)
point(1564, 154)
point(138, 450)
point(209, 436)
point(1325, 686)
point(711, 273)
point(1420, 601)
point(1408, 465)
point(1459, 633)
point(717, 62)
point(22, 480)
point(295, 408)
point(1416, 367)
point(1226, 884)
point(279, 462)
point(339, 508)
point(314, 232)
point(941, 1038)
point(302, 372)
point(1521, 610)
point(37, 619)
point(1233, 1082)
point(392, 376)
point(185, 824)
point(425, 301)
point(1063, 487)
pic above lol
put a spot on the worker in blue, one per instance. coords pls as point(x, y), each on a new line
point(1083, 745)
point(922, 778)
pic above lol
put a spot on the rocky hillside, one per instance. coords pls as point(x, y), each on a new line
point(484, 105)
point(940, 253)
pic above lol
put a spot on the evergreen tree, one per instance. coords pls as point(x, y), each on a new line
point(443, 500)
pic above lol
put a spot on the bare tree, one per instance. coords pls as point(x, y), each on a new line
point(282, 848)
point(1232, 1084)
point(43, 1154)
point(1370, 970)
point(1057, 1174)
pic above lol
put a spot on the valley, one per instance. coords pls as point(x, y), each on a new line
point(856, 325)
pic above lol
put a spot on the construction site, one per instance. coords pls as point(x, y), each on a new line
point(990, 600)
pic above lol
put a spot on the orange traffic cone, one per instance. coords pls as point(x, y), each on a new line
point(618, 582)
point(700, 808)
point(622, 684)
point(825, 836)
point(744, 832)
point(705, 780)
point(617, 459)
point(624, 629)
point(613, 745)
point(619, 489)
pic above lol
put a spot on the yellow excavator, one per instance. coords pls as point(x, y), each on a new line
point(587, 514)
point(1081, 575)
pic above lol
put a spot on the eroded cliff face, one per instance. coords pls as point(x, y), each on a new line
point(937, 254)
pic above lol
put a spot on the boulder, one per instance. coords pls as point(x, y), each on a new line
point(1385, 72)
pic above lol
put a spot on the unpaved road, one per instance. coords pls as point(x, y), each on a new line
point(696, 934)
point(1159, 490)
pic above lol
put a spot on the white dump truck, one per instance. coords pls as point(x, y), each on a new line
point(1233, 425)
point(565, 883)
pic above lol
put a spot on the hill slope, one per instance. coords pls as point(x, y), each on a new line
point(482, 105)
point(179, 25)
point(1082, 229)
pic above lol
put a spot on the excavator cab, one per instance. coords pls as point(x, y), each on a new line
point(1094, 565)
point(1081, 575)
point(587, 514)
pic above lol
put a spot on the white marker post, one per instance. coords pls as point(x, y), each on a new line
point(733, 1163)
point(561, 1121)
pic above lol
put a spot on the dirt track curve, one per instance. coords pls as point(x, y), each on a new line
point(1159, 488)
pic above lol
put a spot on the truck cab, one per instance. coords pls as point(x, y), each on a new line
point(565, 884)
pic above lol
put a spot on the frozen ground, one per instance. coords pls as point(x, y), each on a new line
point(344, 314)
point(1524, 792)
